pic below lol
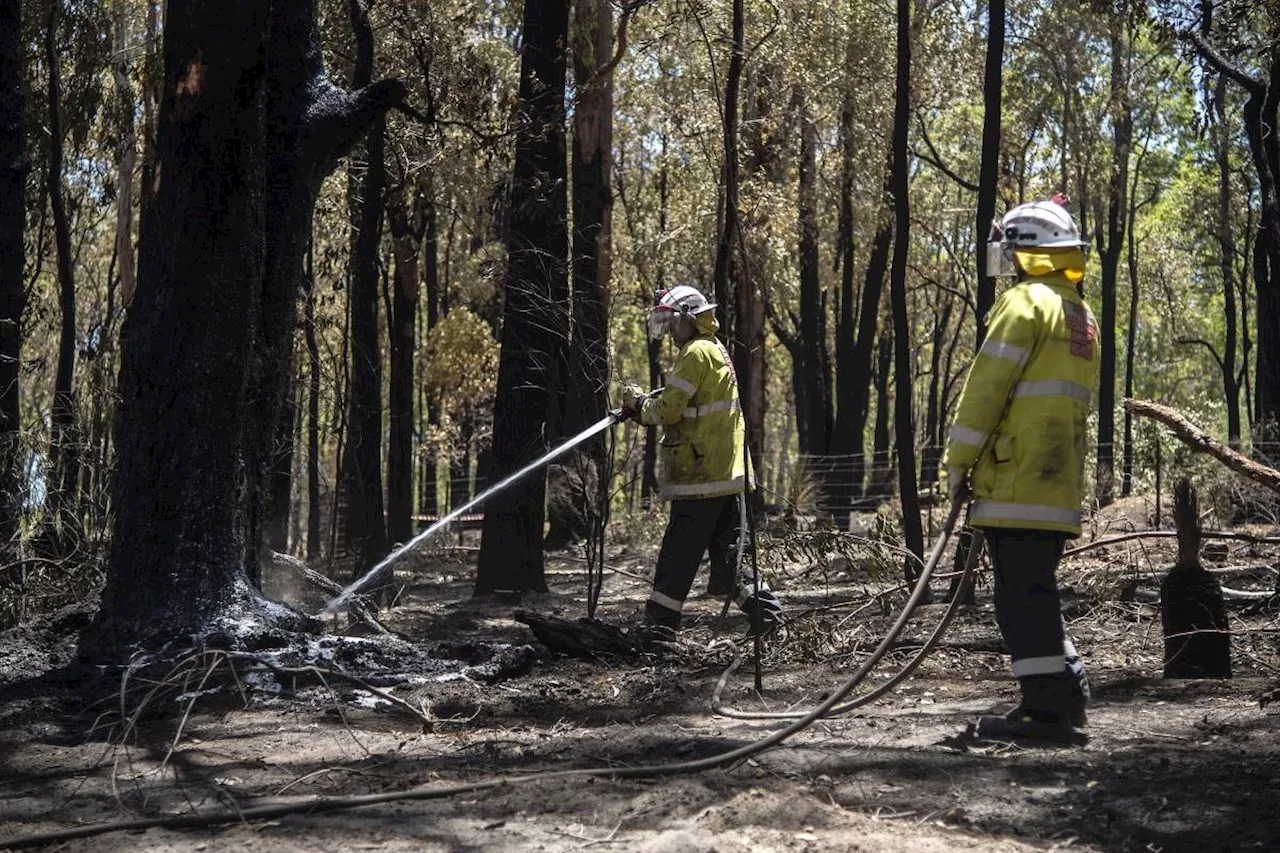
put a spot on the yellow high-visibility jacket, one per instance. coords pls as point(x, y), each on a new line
point(1021, 422)
point(703, 437)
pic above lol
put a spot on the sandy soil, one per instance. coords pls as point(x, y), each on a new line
point(1169, 766)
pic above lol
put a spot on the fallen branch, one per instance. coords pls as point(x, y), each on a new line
point(1169, 534)
point(1197, 439)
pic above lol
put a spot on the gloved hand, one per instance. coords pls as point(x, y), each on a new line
point(957, 483)
point(632, 394)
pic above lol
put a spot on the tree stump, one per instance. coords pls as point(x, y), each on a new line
point(1196, 642)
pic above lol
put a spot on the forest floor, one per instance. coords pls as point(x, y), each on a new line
point(1169, 766)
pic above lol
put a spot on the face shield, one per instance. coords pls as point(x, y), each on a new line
point(660, 320)
point(999, 255)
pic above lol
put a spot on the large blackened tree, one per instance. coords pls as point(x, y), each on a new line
point(249, 126)
point(13, 172)
point(535, 323)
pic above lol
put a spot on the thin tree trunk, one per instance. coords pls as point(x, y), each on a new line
point(989, 171)
point(127, 162)
point(592, 217)
point(649, 473)
point(64, 451)
point(904, 426)
point(407, 220)
point(725, 275)
point(366, 524)
point(813, 321)
point(13, 173)
point(275, 527)
point(1227, 249)
point(313, 410)
point(1131, 345)
point(879, 485)
point(1117, 213)
point(536, 319)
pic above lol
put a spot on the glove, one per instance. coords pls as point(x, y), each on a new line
point(957, 483)
point(632, 394)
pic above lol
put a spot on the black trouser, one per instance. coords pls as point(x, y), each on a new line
point(697, 526)
point(1028, 608)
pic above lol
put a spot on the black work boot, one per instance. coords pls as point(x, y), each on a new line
point(1049, 708)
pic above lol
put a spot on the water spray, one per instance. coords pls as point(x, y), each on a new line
point(614, 417)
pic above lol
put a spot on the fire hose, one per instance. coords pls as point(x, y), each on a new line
point(832, 707)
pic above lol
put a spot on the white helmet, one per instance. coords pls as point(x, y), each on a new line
point(1034, 225)
point(679, 301)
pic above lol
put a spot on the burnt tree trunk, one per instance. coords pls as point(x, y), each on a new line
point(313, 409)
point(653, 349)
point(725, 275)
point(903, 419)
point(126, 268)
point(1196, 639)
point(535, 322)
point(1116, 232)
point(406, 217)
point(249, 126)
point(880, 481)
point(592, 201)
point(989, 170)
point(1231, 378)
point(13, 173)
point(813, 316)
point(592, 217)
point(428, 498)
point(64, 456)
point(366, 523)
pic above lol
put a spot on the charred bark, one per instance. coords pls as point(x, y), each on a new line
point(725, 275)
point(535, 318)
point(880, 483)
point(366, 523)
point(13, 174)
point(813, 318)
point(408, 222)
point(989, 170)
point(313, 409)
point(904, 423)
point(249, 126)
point(1116, 233)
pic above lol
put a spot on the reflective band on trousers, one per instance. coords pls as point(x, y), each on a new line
point(1053, 388)
point(712, 408)
point(1025, 512)
point(965, 435)
point(683, 384)
point(678, 490)
point(1048, 665)
point(1000, 349)
point(666, 601)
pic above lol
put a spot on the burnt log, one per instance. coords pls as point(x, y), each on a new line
point(589, 638)
point(1194, 616)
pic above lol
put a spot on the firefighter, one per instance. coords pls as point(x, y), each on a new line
point(703, 466)
point(1017, 447)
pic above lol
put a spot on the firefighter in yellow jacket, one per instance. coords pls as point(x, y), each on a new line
point(1018, 444)
point(703, 467)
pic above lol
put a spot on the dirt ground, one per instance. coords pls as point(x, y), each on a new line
point(1169, 766)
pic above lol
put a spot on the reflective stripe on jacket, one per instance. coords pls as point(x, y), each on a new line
point(703, 436)
point(1021, 422)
